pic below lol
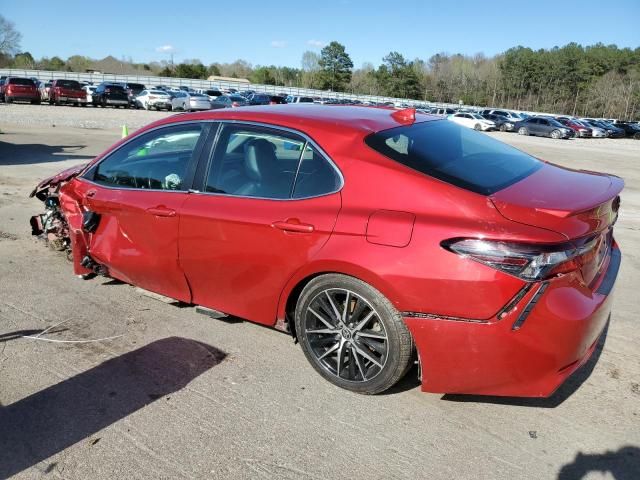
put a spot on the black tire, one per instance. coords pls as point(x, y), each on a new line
point(503, 128)
point(8, 99)
point(556, 134)
point(35, 102)
point(636, 136)
point(477, 127)
point(104, 102)
point(169, 108)
point(359, 343)
point(523, 131)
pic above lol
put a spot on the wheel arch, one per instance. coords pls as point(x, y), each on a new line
point(296, 284)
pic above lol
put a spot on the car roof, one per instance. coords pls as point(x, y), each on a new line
point(310, 118)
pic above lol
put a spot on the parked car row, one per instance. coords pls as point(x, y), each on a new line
point(162, 97)
point(557, 127)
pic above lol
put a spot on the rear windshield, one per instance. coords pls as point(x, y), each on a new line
point(21, 81)
point(117, 88)
point(72, 84)
point(455, 154)
point(306, 100)
point(135, 86)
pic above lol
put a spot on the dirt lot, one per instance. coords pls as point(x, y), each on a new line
point(180, 395)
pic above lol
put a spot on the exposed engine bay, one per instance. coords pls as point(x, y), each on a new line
point(51, 226)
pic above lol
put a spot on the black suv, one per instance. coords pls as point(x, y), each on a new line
point(110, 94)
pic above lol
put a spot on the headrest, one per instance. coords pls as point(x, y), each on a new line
point(259, 159)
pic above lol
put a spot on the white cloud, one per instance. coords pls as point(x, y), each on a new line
point(166, 49)
point(316, 43)
point(278, 43)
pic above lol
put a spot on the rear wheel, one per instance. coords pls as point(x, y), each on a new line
point(523, 131)
point(352, 335)
point(35, 102)
point(8, 99)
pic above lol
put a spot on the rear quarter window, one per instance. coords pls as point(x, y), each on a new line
point(456, 155)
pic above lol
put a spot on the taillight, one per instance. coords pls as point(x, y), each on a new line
point(235, 104)
point(529, 262)
point(273, 103)
point(107, 90)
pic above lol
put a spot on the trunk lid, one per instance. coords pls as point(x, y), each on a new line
point(580, 205)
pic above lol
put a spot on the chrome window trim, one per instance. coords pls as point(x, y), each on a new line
point(222, 121)
point(308, 141)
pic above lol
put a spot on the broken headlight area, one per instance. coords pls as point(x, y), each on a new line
point(51, 226)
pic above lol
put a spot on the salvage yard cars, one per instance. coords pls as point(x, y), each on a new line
point(352, 228)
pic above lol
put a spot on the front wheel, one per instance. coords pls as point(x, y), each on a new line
point(477, 127)
point(523, 131)
point(352, 335)
point(555, 134)
point(503, 128)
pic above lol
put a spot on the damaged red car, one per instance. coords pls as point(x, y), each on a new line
point(377, 237)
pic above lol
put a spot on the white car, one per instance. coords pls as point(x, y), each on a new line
point(472, 120)
point(89, 89)
point(190, 101)
point(150, 99)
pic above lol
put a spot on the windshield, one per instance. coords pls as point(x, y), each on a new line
point(555, 123)
point(455, 154)
point(21, 81)
point(70, 84)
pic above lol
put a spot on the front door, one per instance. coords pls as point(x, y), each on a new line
point(138, 191)
point(267, 205)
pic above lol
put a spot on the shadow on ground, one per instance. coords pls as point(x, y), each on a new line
point(623, 464)
point(47, 422)
point(567, 389)
point(31, 153)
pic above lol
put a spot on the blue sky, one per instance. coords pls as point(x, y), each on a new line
point(278, 32)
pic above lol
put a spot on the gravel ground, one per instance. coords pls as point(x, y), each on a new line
point(180, 395)
point(77, 117)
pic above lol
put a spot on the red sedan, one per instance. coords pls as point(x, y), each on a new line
point(376, 237)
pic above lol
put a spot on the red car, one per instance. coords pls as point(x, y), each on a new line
point(579, 129)
point(18, 89)
point(376, 237)
point(67, 91)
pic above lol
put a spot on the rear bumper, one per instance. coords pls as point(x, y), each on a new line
point(532, 358)
point(23, 98)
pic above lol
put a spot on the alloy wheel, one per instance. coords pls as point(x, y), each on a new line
point(346, 335)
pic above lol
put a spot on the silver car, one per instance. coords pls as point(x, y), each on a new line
point(188, 101)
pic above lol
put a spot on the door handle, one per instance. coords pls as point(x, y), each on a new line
point(161, 211)
point(91, 194)
point(293, 225)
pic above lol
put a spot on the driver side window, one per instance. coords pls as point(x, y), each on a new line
point(157, 160)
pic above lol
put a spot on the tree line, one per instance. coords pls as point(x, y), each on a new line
point(597, 80)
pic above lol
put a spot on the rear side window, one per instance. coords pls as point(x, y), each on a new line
point(315, 175)
point(157, 160)
point(255, 162)
point(454, 154)
point(251, 161)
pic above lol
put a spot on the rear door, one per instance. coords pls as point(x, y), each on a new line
point(267, 204)
point(138, 191)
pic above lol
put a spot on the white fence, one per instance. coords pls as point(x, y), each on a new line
point(150, 81)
